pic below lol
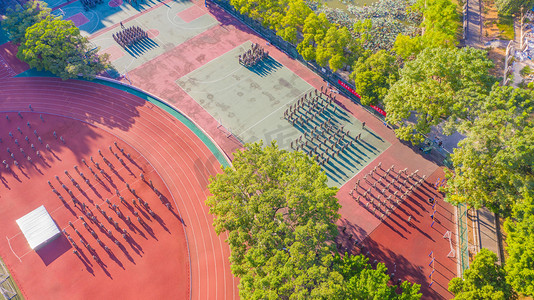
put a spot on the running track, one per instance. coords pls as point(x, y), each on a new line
point(179, 156)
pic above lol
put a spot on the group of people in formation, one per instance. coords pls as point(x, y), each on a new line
point(254, 55)
point(88, 4)
point(129, 36)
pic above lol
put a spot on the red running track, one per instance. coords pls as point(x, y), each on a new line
point(183, 162)
point(153, 254)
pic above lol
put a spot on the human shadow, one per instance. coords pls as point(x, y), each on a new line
point(265, 66)
point(140, 47)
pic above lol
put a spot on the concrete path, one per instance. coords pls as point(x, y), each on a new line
point(473, 37)
point(487, 231)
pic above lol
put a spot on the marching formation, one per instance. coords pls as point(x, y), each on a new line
point(325, 140)
point(114, 211)
point(113, 217)
point(132, 2)
point(88, 4)
point(30, 147)
point(129, 36)
point(386, 190)
point(253, 56)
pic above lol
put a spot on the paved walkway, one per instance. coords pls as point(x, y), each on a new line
point(487, 231)
point(473, 35)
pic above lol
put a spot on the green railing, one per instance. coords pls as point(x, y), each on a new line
point(463, 233)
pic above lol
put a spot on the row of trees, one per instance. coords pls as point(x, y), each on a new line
point(52, 44)
point(280, 218)
point(315, 36)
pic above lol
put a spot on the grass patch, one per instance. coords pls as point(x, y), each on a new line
point(10, 282)
point(525, 71)
point(506, 26)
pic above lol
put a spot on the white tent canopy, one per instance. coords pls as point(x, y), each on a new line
point(38, 227)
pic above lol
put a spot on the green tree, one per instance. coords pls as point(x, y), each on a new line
point(57, 46)
point(513, 6)
point(330, 50)
point(364, 282)
point(314, 31)
point(374, 75)
point(17, 21)
point(494, 164)
point(520, 246)
point(440, 83)
point(484, 279)
point(291, 22)
point(440, 26)
point(440, 17)
point(279, 214)
point(408, 47)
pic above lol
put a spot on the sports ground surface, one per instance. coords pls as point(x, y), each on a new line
point(189, 62)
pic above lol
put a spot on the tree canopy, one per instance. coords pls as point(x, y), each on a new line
point(513, 6)
point(440, 83)
point(57, 46)
point(17, 21)
point(484, 279)
point(374, 75)
point(520, 246)
point(285, 17)
point(279, 213)
point(494, 164)
point(364, 282)
point(440, 27)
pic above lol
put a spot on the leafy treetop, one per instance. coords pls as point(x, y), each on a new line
point(57, 46)
point(374, 75)
point(484, 279)
point(513, 6)
point(520, 246)
point(279, 214)
point(17, 21)
point(440, 83)
point(494, 163)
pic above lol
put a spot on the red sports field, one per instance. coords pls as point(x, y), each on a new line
point(153, 260)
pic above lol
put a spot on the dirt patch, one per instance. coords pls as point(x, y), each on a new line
point(497, 56)
point(495, 26)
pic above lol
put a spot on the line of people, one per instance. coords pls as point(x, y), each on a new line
point(129, 36)
point(312, 107)
point(88, 4)
point(335, 140)
point(132, 2)
point(253, 56)
point(383, 202)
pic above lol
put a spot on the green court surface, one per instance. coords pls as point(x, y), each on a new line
point(109, 13)
point(250, 103)
point(166, 29)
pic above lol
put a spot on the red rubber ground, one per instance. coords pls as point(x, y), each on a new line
point(181, 160)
